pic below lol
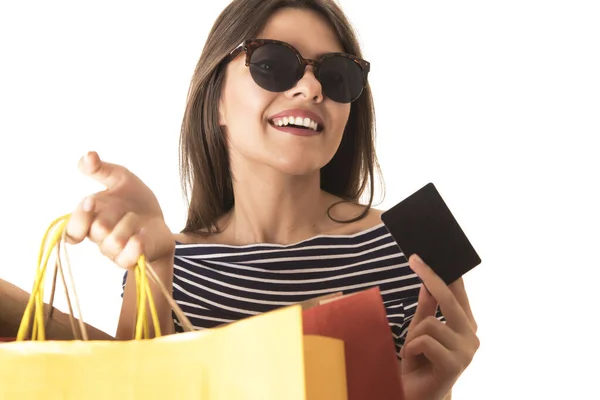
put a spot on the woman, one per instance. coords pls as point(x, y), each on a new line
point(276, 151)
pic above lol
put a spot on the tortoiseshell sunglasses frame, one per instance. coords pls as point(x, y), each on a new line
point(250, 45)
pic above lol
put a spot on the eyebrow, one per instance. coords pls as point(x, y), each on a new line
point(319, 55)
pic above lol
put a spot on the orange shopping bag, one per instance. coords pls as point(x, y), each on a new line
point(360, 320)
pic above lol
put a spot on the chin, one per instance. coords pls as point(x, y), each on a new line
point(298, 166)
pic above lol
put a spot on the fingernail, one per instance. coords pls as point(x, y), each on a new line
point(88, 204)
point(141, 233)
point(88, 157)
point(417, 258)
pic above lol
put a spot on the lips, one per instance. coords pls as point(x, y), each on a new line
point(299, 112)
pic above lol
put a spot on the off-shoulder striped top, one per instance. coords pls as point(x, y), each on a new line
point(216, 284)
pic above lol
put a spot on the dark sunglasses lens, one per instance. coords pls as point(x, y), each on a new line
point(274, 67)
point(341, 78)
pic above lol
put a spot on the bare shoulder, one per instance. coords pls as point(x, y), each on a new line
point(181, 238)
point(347, 211)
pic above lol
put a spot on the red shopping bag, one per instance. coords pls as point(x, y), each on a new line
point(360, 320)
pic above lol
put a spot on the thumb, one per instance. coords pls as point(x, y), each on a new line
point(426, 306)
point(110, 175)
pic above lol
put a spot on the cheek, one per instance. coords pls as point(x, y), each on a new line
point(245, 104)
point(340, 114)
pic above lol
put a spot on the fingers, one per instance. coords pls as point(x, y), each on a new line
point(435, 328)
point(426, 307)
point(105, 219)
point(110, 175)
point(441, 350)
point(80, 221)
point(127, 241)
point(108, 214)
point(104, 222)
point(455, 316)
point(123, 244)
point(131, 253)
point(439, 356)
point(458, 289)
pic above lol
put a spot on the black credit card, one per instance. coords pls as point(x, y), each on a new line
point(423, 224)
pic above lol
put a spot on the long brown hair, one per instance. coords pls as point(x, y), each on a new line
point(203, 155)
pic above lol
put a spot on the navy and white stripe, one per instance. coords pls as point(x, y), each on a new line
point(216, 284)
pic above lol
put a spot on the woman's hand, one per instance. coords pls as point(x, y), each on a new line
point(435, 354)
point(125, 220)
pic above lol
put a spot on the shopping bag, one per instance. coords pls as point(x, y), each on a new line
point(360, 320)
point(264, 357)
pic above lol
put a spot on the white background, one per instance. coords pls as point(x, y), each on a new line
point(497, 103)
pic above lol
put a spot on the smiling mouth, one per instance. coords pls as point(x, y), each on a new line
point(297, 123)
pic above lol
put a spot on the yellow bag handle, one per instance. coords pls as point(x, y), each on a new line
point(52, 240)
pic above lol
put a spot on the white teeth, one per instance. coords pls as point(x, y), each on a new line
point(299, 121)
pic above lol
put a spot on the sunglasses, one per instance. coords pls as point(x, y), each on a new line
point(277, 66)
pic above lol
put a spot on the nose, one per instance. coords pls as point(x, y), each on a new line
point(307, 87)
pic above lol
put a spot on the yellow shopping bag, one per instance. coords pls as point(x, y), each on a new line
point(265, 357)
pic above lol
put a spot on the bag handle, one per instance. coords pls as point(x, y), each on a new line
point(54, 240)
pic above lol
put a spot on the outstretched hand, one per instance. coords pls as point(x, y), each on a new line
point(125, 220)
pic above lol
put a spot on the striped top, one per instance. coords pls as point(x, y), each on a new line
point(215, 284)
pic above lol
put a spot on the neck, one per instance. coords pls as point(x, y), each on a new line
point(274, 208)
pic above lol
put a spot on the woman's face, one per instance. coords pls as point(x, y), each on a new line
point(246, 110)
